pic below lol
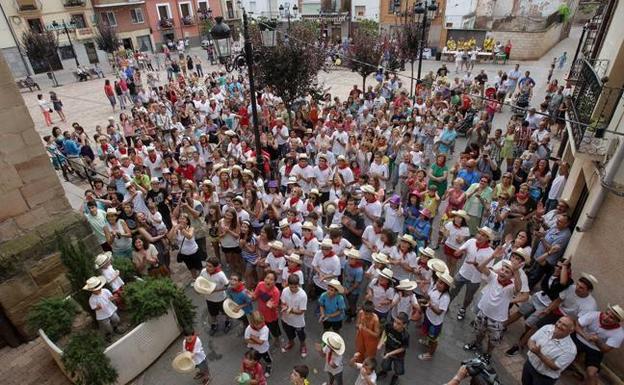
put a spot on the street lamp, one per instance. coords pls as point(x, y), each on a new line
point(66, 30)
point(222, 36)
point(284, 10)
point(422, 12)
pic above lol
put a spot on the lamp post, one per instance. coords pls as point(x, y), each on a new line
point(222, 37)
point(284, 11)
point(66, 30)
point(422, 12)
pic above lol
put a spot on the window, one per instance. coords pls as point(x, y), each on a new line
point(394, 6)
point(79, 20)
point(35, 25)
point(136, 15)
point(66, 52)
point(202, 6)
point(163, 11)
point(185, 10)
point(109, 19)
point(230, 10)
point(360, 10)
point(144, 43)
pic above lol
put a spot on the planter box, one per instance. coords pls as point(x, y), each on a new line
point(136, 350)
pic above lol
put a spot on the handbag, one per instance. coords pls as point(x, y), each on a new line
point(180, 256)
point(158, 271)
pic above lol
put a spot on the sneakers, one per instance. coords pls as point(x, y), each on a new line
point(512, 351)
point(287, 347)
point(267, 372)
point(213, 330)
point(227, 327)
point(304, 351)
point(470, 347)
point(461, 314)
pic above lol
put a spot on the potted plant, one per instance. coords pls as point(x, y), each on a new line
point(85, 361)
point(55, 315)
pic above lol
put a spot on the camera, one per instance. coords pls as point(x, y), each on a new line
point(481, 371)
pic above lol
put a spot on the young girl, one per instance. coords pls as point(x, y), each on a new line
point(241, 296)
point(404, 301)
point(366, 375)
point(155, 218)
point(455, 233)
point(257, 339)
point(248, 252)
point(437, 307)
point(368, 332)
point(212, 220)
point(251, 365)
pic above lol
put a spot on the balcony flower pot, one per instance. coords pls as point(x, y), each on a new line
point(135, 351)
point(187, 20)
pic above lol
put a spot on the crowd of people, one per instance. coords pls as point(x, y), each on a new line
point(359, 208)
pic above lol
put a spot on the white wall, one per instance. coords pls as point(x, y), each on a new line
point(372, 9)
point(456, 11)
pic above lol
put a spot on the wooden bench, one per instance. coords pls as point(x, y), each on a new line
point(27, 83)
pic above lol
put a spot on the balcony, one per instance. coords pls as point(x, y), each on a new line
point(74, 3)
point(187, 20)
point(165, 23)
point(84, 33)
point(28, 6)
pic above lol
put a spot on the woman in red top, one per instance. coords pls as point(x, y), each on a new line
point(110, 93)
point(268, 297)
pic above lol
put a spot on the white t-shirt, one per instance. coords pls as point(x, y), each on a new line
point(309, 246)
point(346, 173)
point(453, 233)
point(590, 322)
point(379, 169)
point(303, 173)
point(281, 135)
point(442, 301)
point(403, 304)
point(276, 264)
point(393, 219)
point(321, 177)
point(373, 209)
point(361, 380)
point(295, 301)
point(327, 266)
point(333, 358)
point(467, 270)
point(109, 272)
point(495, 300)
point(572, 305)
point(379, 295)
point(286, 274)
point(338, 148)
point(370, 236)
point(198, 351)
point(398, 270)
point(220, 280)
point(107, 307)
point(262, 335)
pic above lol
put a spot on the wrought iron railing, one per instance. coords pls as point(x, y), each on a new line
point(600, 66)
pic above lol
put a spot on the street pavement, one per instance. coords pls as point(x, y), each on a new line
point(86, 104)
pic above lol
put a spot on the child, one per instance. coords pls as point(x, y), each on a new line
point(404, 301)
point(213, 273)
point(155, 218)
point(332, 306)
point(251, 366)
point(299, 375)
point(332, 348)
point(353, 277)
point(257, 339)
point(380, 262)
point(437, 307)
point(367, 375)
point(340, 244)
point(193, 344)
point(101, 302)
point(431, 199)
point(396, 340)
point(239, 294)
point(293, 266)
point(103, 262)
point(368, 329)
point(275, 261)
point(293, 306)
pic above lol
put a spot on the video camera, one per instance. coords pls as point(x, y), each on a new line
point(481, 371)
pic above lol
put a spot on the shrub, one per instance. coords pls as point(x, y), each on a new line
point(54, 316)
point(153, 297)
point(126, 268)
point(86, 362)
point(80, 267)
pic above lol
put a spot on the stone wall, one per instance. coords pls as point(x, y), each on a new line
point(32, 211)
point(531, 45)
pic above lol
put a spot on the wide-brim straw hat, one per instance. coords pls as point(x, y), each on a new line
point(352, 253)
point(284, 223)
point(276, 245)
point(460, 213)
point(617, 311)
point(386, 273)
point(380, 258)
point(103, 259)
point(590, 277)
point(408, 238)
point(204, 286)
point(427, 252)
point(94, 283)
point(326, 243)
point(183, 363)
point(308, 226)
point(446, 278)
point(522, 253)
point(228, 308)
point(334, 341)
point(406, 284)
point(437, 265)
point(336, 285)
point(329, 207)
point(294, 258)
point(293, 180)
point(487, 232)
point(368, 189)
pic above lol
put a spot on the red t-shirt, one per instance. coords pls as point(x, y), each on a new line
point(108, 90)
point(264, 295)
point(187, 172)
point(256, 372)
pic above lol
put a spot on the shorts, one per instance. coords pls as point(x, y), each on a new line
point(274, 328)
point(232, 250)
point(397, 365)
point(430, 330)
point(450, 252)
point(494, 329)
point(530, 310)
point(593, 357)
point(332, 325)
point(215, 308)
point(192, 261)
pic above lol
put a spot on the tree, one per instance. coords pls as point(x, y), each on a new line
point(106, 38)
point(409, 46)
point(41, 48)
point(291, 67)
point(364, 53)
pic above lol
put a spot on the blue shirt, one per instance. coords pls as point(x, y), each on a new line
point(554, 236)
point(469, 177)
point(241, 298)
point(332, 305)
point(71, 148)
point(353, 275)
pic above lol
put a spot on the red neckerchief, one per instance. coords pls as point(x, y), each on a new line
point(293, 201)
point(384, 285)
point(123, 151)
point(306, 239)
point(521, 196)
point(369, 201)
point(294, 220)
point(323, 167)
point(238, 288)
point(329, 255)
point(190, 346)
point(483, 245)
point(105, 147)
point(310, 206)
point(329, 355)
point(605, 325)
point(292, 270)
point(257, 328)
point(216, 270)
point(423, 264)
point(287, 170)
point(504, 282)
point(342, 167)
point(341, 206)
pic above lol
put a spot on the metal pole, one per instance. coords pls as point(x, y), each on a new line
point(70, 43)
point(252, 91)
point(17, 43)
point(422, 44)
point(578, 48)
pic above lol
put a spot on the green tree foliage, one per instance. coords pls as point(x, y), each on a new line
point(153, 297)
point(86, 362)
point(106, 38)
point(80, 265)
point(127, 272)
point(54, 315)
point(39, 46)
point(364, 53)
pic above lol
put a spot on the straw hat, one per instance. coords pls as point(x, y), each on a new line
point(386, 273)
point(460, 213)
point(487, 232)
point(308, 226)
point(293, 180)
point(322, 156)
point(336, 285)
point(352, 253)
point(248, 172)
point(341, 157)
point(230, 133)
point(406, 284)
point(294, 258)
point(103, 259)
point(368, 189)
point(334, 341)
point(94, 283)
point(593, 280)
point(327, 243)
point(228, 308)
point(284, 223)
point(427, 252)
point(437, 265)
point(446, 278)
point(617, 311)
point(329, 207)
point(204, 286)
point(314, 191)
point(111, 211)
point(408, 238)
point(183, 363)
point(380, 258)
point(523, 254)
point(276, 245)
point(303, 156)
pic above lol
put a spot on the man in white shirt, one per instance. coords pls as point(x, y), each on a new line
point(280, 133)
point(556, 189)
point(326, 265)
point(475, 250)
point(551, 350)
point(293, 306)
point(369, 206)
point(339, 140)
point(303, 172)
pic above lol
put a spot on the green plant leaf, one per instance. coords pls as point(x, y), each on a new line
point(54, 315)
point(86, 362)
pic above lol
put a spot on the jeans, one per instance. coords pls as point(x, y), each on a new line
point(471, 289)
point(108, 324)
point(530, 376)
point(292, 331)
